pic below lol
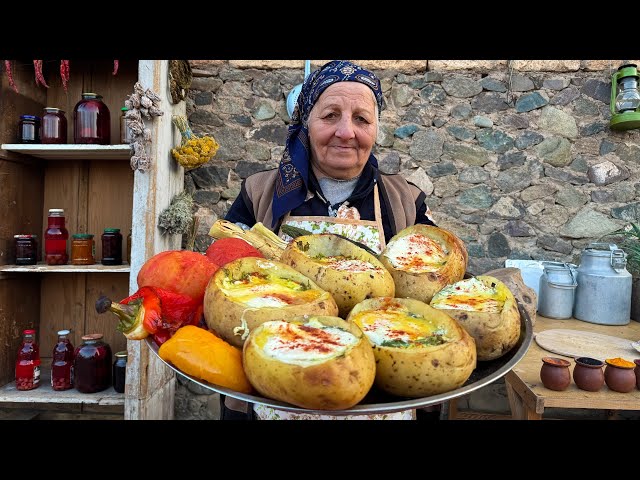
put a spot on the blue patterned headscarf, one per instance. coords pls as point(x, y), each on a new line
point(293, 171)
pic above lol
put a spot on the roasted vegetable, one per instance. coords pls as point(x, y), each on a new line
point(269, 244)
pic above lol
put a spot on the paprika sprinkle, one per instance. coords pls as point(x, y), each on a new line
point(620, 362)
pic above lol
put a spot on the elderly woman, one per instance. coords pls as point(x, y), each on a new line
point(328, 179)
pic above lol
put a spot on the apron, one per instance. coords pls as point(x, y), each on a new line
point(369, 233)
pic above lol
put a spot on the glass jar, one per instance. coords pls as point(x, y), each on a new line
point(126, 134)
point(92, 364)
point(26, 247)
point(129, 248)
point(28, 362)
point(555, 374)
point(91, 121)
point(120, 371)
point(62, 362)
point(112, 246)
point(54, 126)
point(55, 238)
point(82, 249)
point(29, 129)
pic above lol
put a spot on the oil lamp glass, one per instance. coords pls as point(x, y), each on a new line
point(625, 98)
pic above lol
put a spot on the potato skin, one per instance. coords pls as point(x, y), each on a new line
point(346, 288)
point(336, 384)
point(222, 314)
point(495, 333)
point(422, 286)
point(421, 371)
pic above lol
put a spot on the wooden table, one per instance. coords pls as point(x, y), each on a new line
point(528, 397)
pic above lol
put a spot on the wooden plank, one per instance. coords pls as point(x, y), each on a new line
point(42, 267)
point(114, 286)
point(72, 152)
point(577, 343)
point(62, 307)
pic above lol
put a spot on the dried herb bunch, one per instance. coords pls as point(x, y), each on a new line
point(178, 216)
point(141, 103)
point(194, 151)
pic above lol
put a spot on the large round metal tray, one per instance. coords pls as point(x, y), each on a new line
point(377, 401)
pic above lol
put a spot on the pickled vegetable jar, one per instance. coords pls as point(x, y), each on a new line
point(91, 121)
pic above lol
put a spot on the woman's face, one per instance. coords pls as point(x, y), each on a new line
point(342, 130)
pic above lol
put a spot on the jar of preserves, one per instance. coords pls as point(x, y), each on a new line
point(120, 371)
point(54, 126)
point(111, 246)
point(82, 249)
point(92, 364)
point(62, 362)
point(91, 121)
point(28, 362)
point(55, 238)
point(126, 134)
point(26, 248)
point(29, 129)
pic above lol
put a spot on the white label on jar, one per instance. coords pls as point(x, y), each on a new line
point(36, 375)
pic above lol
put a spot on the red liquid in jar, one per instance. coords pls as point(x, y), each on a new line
point(62, 363)
point(28, 362)
point(92, 365)
point(55, 238)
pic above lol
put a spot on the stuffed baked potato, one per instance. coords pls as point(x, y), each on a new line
point(316, 362)
point(487, 309)
point(422, 259)
point(249, 291)
point(419, 351)
point(349, 273)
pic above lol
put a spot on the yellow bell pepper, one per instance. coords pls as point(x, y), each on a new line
point(201, 354)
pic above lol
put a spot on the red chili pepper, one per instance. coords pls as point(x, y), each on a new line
point(152, 311)
point(115, 66)
point(37, 65)
point(64, 73)
point(7, 66)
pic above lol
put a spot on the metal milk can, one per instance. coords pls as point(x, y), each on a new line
point(557, 290)
point(603, 294)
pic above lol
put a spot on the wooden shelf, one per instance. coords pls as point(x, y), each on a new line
point(45, 394)
point(42, 267)
point(71, 151)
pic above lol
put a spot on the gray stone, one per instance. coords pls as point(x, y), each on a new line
point(474, 175)
point(553, 217)
point(509, 160)
point(536, 207)
point(189, 184)
point(556, 83)
point(564, 176)
point(629, 153)
point(579, 164)
point(243, 120)
point(203, 98)
point(267, 86)
point(210, 176)
point(475, 250)
point(230, 193)
point(493, 85)
point(271, 133)
point(556, 121)
point(461, 87)
point(206, 84)
point(489, 102)
point(426, 145)
point(477, 266)
point(517, 178)
point(390, 163)
point(529, 102)
point(597, 89)
point(506, 209)
point(528, 139)
point(519, 228)
point(228, 105)
point(434, 94)
point(476, 197)
point(418, 83)
point(461, 133)
point(521, 83)
point(258, 151)
point(593, 128)
point(245, 169)
point(482, 122)
point(438, 122)
point(442, 169)
point(418, 114)
point(472, 218)
point(585, 107)
point(263, 110)
point(588, 224)
point(624, 192)
point(602, 196)
point(571, 197)
point(606, 172)
point(495, 140)
point(405, 131)
point(536, 192)
point(565, 97)
point(469, 154)
point(232, 143)
point(433, 76)
point(461, 111)
point(555, 151)
point(385, 136)
point(553, 243)
point(498, 245)
point(628, 213)
point(421, 180)
point(205, 117)
point(516, 121)
point(236, 75)
point(446, 187)
point(607, 146)
point(401, 95)
point(206, 198)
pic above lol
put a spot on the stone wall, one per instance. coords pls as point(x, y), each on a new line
point(516, 157)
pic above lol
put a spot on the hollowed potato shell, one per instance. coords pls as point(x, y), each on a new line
point(223, 314)
point(495, 333)
point(347, 288)
point(422, 286)
point(424, 370)
point(335, 384)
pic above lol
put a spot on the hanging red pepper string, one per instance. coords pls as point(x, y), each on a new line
point(37, 65)
point(7, 66)
point(116, 63)
point(64, 73)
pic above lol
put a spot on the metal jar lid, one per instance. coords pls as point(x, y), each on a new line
point(122, 354)
point(92, 336)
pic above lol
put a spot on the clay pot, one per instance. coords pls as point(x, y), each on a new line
point(555, 373)
point(637, 372)
point(588, 374)
point(620, 378)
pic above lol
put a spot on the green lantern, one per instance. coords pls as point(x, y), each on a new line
point(625, 98)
